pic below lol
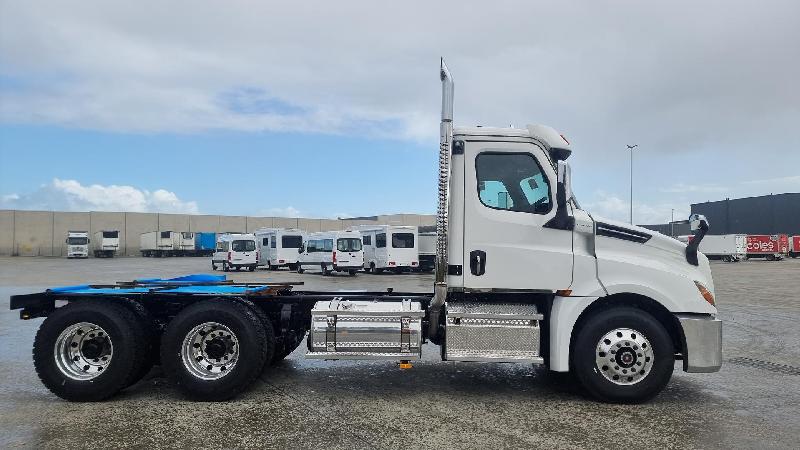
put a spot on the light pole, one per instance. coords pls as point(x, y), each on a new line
point(631, 147)
point(672, 224)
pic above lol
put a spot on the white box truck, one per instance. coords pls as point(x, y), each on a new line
point(105, 243)
point(532, 279)
point(389, 247)
point(77, 244)
point(157, 243)
point(279, 247)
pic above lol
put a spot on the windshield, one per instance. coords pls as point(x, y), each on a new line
point(348, 244)
point(292, 241)
point(402, 240)
point(77, 241)
point(110, 234)
point(243, 246)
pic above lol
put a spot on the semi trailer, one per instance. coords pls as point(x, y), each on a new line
point(105, 243)
point(204, 243)
point(157, 243)
point(794, 246)
point(770, 247)
point(523, 274)
point(725, 247)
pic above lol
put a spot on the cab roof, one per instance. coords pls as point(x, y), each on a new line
point(553, 141)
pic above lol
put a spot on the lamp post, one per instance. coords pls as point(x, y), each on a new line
point(631, 147)
point(672, 224)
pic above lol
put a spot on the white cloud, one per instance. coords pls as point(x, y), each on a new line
point(71, 195)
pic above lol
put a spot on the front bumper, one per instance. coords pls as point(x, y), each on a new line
point(702, 342)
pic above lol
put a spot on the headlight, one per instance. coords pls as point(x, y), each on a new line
point(705, 293)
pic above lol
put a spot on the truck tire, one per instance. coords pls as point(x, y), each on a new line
point(151, 341)
point(352, 273)
point(623, 355)
point(214, 349)
point(269, 331)
point(88, 351)
point(251, 268)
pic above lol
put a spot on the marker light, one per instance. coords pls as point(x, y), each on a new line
point(705, 293)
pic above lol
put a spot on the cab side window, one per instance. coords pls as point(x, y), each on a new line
point(512, 182)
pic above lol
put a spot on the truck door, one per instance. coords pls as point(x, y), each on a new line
point(509, 196)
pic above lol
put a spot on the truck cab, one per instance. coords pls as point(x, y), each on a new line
point(77, 244)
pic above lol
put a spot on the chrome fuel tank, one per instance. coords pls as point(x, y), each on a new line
point(363, 329)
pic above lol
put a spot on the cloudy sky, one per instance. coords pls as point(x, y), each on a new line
point(331, 108)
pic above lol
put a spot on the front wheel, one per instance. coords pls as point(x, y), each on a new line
point(623, 355)
point(299, 268)
point(213, 266)
point(251, 268)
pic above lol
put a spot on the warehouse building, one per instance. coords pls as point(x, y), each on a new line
point(767, 214)
point(43, 233)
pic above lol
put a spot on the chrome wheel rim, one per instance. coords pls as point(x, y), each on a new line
point(624, 356)
point(210, 351)
point(83, 351)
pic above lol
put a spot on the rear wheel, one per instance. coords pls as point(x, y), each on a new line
point(299, 268)
point(251, 268)
point(325, 270)
point(623, 355)
point(225, 267)
point(352, 273)
point(88, 351)
point(214, 349)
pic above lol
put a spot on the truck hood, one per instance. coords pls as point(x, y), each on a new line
point(672, 251)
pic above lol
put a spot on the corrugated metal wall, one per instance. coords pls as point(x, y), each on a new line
point(768, 214)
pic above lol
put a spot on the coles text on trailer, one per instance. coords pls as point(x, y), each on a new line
point(279, 247)
point(105, 243)
point(618, 304)
point(236, 251)
point(389, 247)
point(329, 251)
point(157, 243)
point(772, 247)
point(77, 244)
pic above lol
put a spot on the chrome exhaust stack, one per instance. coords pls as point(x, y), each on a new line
point(445, 141)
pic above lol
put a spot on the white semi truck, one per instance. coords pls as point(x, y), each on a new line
point(523, 275)
point(77, 244)
point(105, 243)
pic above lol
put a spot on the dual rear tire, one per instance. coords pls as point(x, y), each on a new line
point(211, 350)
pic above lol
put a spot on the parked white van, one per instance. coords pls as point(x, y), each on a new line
point(339, 251)
point(279, 247)
point(389, 247)
point(235, 251)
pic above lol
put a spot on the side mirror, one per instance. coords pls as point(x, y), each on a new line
point(698, 222)
point(565, 179)
point(562, 220)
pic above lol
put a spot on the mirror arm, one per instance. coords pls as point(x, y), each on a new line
point(691, 248)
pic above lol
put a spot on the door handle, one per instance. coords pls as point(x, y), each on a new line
point(477, 262)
